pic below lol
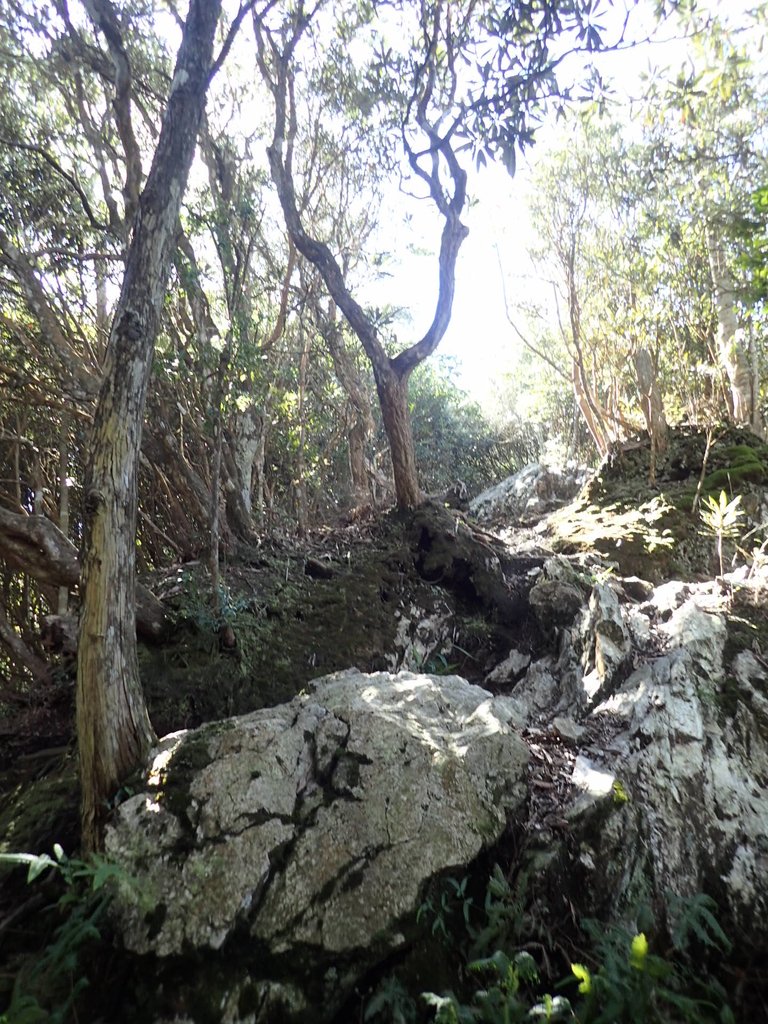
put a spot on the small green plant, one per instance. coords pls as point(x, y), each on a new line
point(625, 981)
point(503, 911)
point(392, 1003)
point(443, 909)
point(633, 985)
point(46, 991)
point(438, 665)
point(721, 519)
point(195, 604)
point(503, 1001)
point(695, 918)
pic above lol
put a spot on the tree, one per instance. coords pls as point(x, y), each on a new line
point(635, 229)
point(113, 727)
point(708, 130)
point(472, 78)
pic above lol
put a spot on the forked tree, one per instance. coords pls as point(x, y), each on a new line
point(473, 79)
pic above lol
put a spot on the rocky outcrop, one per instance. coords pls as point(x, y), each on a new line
point(661, 760)
point(291, 847)
point(282, 856)
point(530, 493)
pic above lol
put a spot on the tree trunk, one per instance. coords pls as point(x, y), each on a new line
point(300, 482)
point(114, 731)
point(754, 363)
point(363, 425)
point(587, 408)
point(438, 167)
point(393, 396)
point(19, 650)
point(218, 441)
point(732, 354)
point(63, 602)
point(651, 401)
point(248, 441)
point(357, 438)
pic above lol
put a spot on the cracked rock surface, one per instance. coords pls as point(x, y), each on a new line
point(311, 828)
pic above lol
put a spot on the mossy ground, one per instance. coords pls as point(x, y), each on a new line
point(290, 624)
point(648, 527)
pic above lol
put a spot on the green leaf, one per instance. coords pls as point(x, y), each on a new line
point(584, 977)
point(37, 863)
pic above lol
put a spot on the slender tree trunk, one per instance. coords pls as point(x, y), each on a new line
point(393, 396)
point(439, 168)
point(19, 650)
point(754, 362)
point(733, 357)
point(218, 440)
point(63, 602)
point(300, 484)
point(17, 463)
point(113, 727)
point(38, 488)
point(357, 437)
point(248, 434)
point(652, 406)
point(587, 407)
point(259, 465)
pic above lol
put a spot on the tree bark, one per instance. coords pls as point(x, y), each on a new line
point(732, 354)
point(651, 401)
point(114, 731)
point(19, 650)
point(362, 426)
point(754, 364)
point(357, 438)
point(63, 602)
point(393, 396)
point(34, 545)
point(247, 442)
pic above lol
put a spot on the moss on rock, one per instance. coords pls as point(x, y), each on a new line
point(648, 528)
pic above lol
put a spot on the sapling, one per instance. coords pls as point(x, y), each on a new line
point(721, 518)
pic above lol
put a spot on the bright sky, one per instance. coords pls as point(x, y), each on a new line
point(479, 336)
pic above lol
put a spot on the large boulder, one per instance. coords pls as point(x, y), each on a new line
point(531, 492)
point(289, 849)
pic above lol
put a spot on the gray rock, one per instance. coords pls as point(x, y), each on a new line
point(568, 730)
point(636, 589)
point(668, 596)
point(533, 491)
point(702, 633)
point(313, 828)
point(510, 669)
point(592, 779)
point(697, 807)
point(608, 643)
point(539, 690)
point(555, 603)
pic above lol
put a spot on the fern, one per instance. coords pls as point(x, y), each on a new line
point(391, 1002)
point(47, 991)
point(696, 916)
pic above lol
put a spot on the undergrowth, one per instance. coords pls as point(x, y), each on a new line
point(47, 988)
point(623, 979)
